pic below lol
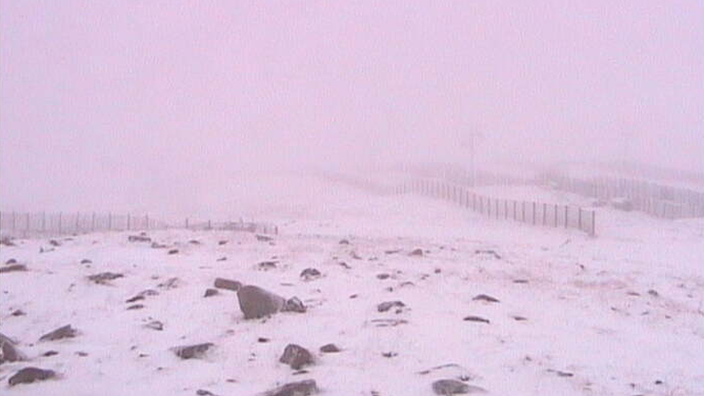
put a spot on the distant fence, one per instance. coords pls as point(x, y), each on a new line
point(651, 198)
point(529, 212)
point(24, 225)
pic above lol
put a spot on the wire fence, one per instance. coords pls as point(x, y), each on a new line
point(632, 194)
point(529, 212)
point(26, 225)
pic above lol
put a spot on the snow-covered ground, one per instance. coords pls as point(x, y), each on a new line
point(619, 314)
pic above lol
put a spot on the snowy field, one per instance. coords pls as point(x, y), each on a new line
point(619, 314)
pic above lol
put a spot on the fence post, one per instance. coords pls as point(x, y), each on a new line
point(579, 218)
point(545, 209)
point(109, 221)
point(78, 221)
point(27, 221)
point(43, 222)
point(186, 222)
point(505, 209)
point(555, 215)
point(593, 223)
point(534, 212)
point(514, 210)
point(60, 216)
point(567, 214)
point(488, 206)
point(13, 221)
point(523, 211)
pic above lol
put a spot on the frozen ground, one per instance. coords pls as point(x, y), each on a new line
point(620, 314)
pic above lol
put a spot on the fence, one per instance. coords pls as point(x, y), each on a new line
point(24, 225)
point(651, 198)
point(530, 212)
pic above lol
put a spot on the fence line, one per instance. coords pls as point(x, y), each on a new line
point(23, 225)
point(530, 212)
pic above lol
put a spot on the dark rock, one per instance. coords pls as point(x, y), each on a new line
point(489, 252)
point(135, 306)
point(50, 353)
point(344, 242)
point(13, 268)
point(194, 242)
point(262, 339)
point(6, 241)
point(18, 312)
point(300, 388)
point(476, 319)
point(28, 375)
point(210, 292)
point(296, 356)
point(203, 392)
point(173, 251)
point(484, 297)
point(59, 334)
point(169, 284)
point(383, 276)
point(437, 270)
point(196, 351)
point(387, 305)
point(653, 293)
point(446, 387)
point(416, 252)
point(267, 265)
point(519, 318)
point(223, 258)
point(329, 348)
point(520, 281)
point(310, 274)
point(104, 278)
point(155, 325)
point(256, 302)
point(136, 298)
point(393, 251)
point(9, 351)
point(54, 242)
point(294, 304)
point(86, 261)
point(222, 242)
point(264, 238)
point(11, 261)
point(138, 238)
point(156, 245)
point(222, 283)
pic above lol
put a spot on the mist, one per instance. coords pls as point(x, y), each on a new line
point(159, 106)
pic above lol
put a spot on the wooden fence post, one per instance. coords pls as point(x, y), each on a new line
point(567, 214)
point(78, 221)
point(555, 215)
point(43, 222)
point(534, 204)
point(60, 216)
point(545, 210)
point(523, 211)
point(593, 223)
point(579, 218)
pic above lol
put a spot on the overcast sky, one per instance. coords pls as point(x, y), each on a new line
point(123, 98)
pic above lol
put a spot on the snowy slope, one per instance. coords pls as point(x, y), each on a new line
point(618, 314)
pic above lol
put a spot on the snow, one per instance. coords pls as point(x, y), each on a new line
point(618, 312)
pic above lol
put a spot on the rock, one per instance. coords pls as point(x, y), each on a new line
point(476, 319)
point(11, 261)
point(54, 243)
point(223, 258)
point(196, 351)
point(416, 252)
point(383, 276)
point(86, 261)
point(59, 334)
point(256, 302)
point(310, 274)
point(300, 388)
point(28, 375)
point(194, 242)
point(329, 348)
point(267, 265)
point(203, 392)
point(173, 251)
point(264, 238)
point(156, 245)
point(294, 304)
point(296, 356)
point(484, 297)
point(9, 351)
point(489, 252)
point(18, 312)
point(210, 292)
point(6, 241)
point(220, 243)
point(262, 340)
point(135, 306)
point(136, 298)
point(104, 278)
point(138, 238)
point(13, 268)
point(155, 325)
point(387, 305)
point(169, 284)
point(446, 387)
point(222, 283)
point(50, 353)
point(344, 242)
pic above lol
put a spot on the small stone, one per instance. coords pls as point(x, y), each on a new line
point(155, 325)
point(387, 305)
point(416, 252)
point(173, 251)
point(310, 274)
point(18, 312)
point(104, 278)
point(28, 375)
point(86, 261)
point(472, 318)
point(222, 242)
point(383, 276)
point(60, 333)
point(169, 284)
point(210, 292)
point(138, 238)
point(267, 265)
point(329, 348)
point(194, 242)
point(11, 261)
point(294, 304)
point(196, 351)
point(222, 283)
point(484, 297)
point(135, 306)
point(50, 353)
point(344, 242)
point(653, 293)
point(446, 387)
point(54, 242)
point(489, 252)
point(223, 258)
point(136, 298)
point(263, 238)
point(296, 356)
point(300, 388)
point(203, 392)
point(13, 268)
point(263, 340)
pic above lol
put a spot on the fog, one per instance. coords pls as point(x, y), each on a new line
point(147, 105)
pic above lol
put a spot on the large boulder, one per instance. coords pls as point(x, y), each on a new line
point(256, 302)
point(227, 284)
point(9, 351)
point(296, 356)
point(60, 333)
point(30, 374)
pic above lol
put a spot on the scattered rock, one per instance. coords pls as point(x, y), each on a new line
point(389, 354)
point(156, 245)
point(489, 252)
point(169, 284)
point(383, 276)
point(223, 258)
point(222, 242)
point(476, 319)
point(173, 251)
point(194, 242)
point(11, 261)
point(50, 353)
point(387, 305)
point(310, 274)
point(296, 356)
point(267, 265)
point(60, 333)
point(300, 388)
point(135, 306)
point(256, 302)
point(86, 261)
point(196, 351)
point(437, 270)
point(136, 298)
point(28, 375)
point(9, 351)
point(388, 322)
point(203, 392)
point(155, 325)
point(329, 348)
point(54, 243)
point(446, 387)
point(484, 297)
point(416, 252)
point(6, 241)
point(653, 293)
point(294, 304)
point(263, 238)
point(519, 318)
point(222, 283)
point(104, 278)
point(344, 242)
point(520, 281)
point(138, 238)
point(210, 292)
point(18, 312)
point(13, 268)
point(393, 251)
point(263, 339)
